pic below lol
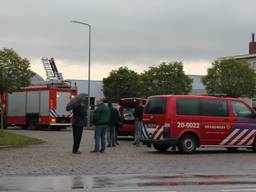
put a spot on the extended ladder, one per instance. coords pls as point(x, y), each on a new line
point(51, 69)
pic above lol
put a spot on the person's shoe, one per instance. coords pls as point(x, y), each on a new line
point(108, 145)
point(102, 151)
point(117, 143)
point(94, 151)
point(77, 152)
point(113, 145)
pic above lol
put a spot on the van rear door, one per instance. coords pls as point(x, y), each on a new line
point(154, 118)
point(127, 107)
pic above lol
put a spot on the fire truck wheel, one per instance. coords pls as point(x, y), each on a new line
point(4, 125)
point(161, 147)
point(187, 144)
point(32, 124)
point(23, 127)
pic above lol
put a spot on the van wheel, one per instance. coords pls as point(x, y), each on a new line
point(161, 147)
point(232, 149)
point(187, 144)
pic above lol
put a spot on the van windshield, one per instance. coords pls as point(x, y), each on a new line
point(155, 106)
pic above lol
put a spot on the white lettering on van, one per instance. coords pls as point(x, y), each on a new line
point(215, 127)
point(193, 125)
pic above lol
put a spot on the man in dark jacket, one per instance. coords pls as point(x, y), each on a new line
point(79, 121)
point(101, 120)
point(113, 123)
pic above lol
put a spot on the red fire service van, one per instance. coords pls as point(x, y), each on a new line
point(126, 109)
point(190, 121)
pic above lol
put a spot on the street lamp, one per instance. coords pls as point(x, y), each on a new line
point(89, 69)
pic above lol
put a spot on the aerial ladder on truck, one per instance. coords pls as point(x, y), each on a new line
point(54, 78)
point(51, 70)
point(42, 104)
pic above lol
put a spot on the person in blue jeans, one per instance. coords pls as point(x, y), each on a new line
point(101, 119)
point(138, 114)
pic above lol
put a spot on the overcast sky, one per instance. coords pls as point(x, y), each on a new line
point(133, 33)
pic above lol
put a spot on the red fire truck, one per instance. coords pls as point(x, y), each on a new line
point(127, 107)
point(38, 106)
point(41, 105)
point(189, 122)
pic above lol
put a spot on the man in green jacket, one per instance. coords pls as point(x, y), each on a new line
point(101, 119)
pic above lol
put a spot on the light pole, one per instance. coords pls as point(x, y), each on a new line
point(89, 70)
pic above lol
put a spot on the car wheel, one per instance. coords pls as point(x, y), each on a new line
point(187, 144)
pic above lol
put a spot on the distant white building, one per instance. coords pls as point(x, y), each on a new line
point(37, 80)
point(96, 87)
point(198, 87)
point(250, 58)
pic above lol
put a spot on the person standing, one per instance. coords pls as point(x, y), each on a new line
point(113, 123)
point(101, 119)
point(119, 123)
point(79, 121)
point(138, 114)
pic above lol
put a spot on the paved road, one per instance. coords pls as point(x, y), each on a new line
point(54, 158)
point(130, 183)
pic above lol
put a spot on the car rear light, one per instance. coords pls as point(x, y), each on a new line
point(166, 131)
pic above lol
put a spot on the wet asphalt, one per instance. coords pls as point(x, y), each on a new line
point(51, 166)
point(128, 183)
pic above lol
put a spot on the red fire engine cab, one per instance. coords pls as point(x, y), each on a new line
point(41, 105)
point(127, 107)
point(189, 122)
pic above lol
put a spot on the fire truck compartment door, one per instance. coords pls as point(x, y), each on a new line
point(16, 104)
point(62, 100)
point(33, 102)
point(44, 103)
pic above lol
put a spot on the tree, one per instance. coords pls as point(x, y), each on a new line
point(121, 83)
point(232, 77)
point(167, 78)
point(14, 73)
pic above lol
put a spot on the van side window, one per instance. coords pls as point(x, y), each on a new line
point(155, 106)
point(187, 106)
point(240, 110)
point(213, 107)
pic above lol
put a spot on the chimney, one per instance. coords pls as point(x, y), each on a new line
point(252, 46)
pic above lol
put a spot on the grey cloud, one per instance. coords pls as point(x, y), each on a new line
point(138, 31)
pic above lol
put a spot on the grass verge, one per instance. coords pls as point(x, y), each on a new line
point(11, 139)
